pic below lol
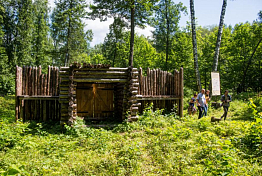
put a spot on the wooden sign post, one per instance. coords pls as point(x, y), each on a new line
point(215, 83)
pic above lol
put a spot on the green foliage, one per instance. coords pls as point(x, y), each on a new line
point(7, 106)
point(68, 33)
point(165, 21)
point(155, 144)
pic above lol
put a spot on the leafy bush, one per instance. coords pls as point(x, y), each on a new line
point(156, 144)
point(7, 108)
point(7, 84)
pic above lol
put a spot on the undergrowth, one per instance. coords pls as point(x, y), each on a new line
point(156, 144)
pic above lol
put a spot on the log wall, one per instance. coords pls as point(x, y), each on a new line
point(37, 94)
point(53, 96)
point(163, 89)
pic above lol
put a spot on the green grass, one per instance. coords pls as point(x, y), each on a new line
point(154, 145)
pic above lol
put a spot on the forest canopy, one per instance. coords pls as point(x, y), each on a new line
point(34, 34)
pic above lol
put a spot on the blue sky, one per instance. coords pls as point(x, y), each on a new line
point(207, 13)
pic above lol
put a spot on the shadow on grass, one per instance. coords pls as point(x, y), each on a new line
point(243, 116)
point(50, 127)
point(54, 127)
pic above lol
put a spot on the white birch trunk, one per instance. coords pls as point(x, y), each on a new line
point(219, 35)
point(194, 40)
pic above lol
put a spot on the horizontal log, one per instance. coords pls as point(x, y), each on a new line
point(65, 79)
point(132, 101)
point(27, 97)
point(100, 76)
point(64, 76)
point(63, 96)
point(64, 73)
point(136, 104)
point(133, 113)
point(135, 73)
point(63, 101)
point(65, 88)
point(64, 92)
point(65, 115)
point(100, 80)
point(134, 80)
point(100, 72)
point(134, 85)
point(134, 92)
point(134, 118)
point(64, 118)
point(108, 69)
point(134, 108)
point(159, 97)
point(134, 69)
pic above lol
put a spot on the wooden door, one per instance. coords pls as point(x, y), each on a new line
point(95, 101)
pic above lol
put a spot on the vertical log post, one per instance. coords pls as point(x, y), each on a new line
point(181, 106)
point(18, 91)
point(71, 96)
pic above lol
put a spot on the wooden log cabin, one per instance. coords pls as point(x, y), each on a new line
point(95, 92)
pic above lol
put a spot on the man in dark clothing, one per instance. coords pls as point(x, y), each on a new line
point(225, 99)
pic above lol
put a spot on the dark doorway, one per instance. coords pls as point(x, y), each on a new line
point(95, 101)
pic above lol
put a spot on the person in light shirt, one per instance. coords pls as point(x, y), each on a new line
point(207, 100)
point(201, 102)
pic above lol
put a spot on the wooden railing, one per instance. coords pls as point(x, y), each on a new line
point(162, 88)
point(37, 93)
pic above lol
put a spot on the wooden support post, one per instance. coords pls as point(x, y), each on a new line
point(181, 106)
point(18, 91)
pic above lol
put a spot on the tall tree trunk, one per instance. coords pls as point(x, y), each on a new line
point(219, 35)
point(132, 36)
point(194, 41)
point(248, 64)
point(168, 31)
point(114, 54)
point(67, 58)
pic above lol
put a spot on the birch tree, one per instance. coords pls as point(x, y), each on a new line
point(219, 35)
point(194, 41)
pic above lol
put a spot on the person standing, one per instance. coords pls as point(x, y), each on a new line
point(201, 101)
point(225, 100)
point(206, 104)
point(191, 108)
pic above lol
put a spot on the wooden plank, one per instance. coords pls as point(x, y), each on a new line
point(160, 82)
point(41, 84)
point(57, 82)
point(30, 81)
point(94, 69)
point(37, 97)
point(155, 83)
point(182, 91)
point(51, 81)
point(101, 72)
point(24, 81)
point(178, 83)
point(100, 80)
point(33, 81)
point(39, 70)
point(48, 81)
point(18, 91)
point(44, 110)
point(140, 77)
point(99, 76)
point(45, 85)
point(148, 81)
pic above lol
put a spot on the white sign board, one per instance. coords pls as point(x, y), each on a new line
point(215, 83)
